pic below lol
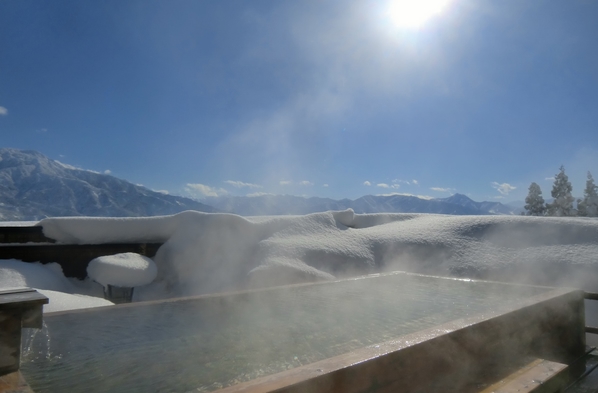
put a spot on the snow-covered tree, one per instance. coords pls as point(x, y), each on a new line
point(561, 192)
point(534, 203)
point(588, 206)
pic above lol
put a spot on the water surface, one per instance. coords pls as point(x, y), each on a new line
point(205, 344)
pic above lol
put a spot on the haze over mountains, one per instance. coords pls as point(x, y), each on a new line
point(457, 204)
point(33, 186)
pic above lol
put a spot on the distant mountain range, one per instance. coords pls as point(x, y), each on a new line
point(33, 186)
point(457, 204)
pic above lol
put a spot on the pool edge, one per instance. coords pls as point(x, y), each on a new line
point(456, 351)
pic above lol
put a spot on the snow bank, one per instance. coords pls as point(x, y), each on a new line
point(49, 281)
point(122, 270)
point(205, 252)
point(34, 275)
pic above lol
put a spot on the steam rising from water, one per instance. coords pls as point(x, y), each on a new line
point(206, 253)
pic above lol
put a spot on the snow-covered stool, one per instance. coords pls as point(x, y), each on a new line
point(120, 273)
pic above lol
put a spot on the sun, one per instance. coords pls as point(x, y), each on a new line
point(414, 13)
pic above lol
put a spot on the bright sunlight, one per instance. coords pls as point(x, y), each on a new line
point(414, 13)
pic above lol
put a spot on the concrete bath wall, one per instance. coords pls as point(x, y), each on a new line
point(448, 357)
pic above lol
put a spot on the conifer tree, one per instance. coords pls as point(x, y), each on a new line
point(588, 206)
point(534, 203)
point(561, 192)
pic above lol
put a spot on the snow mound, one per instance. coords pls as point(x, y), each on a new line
point(50, 282)
point(122, 270)
point(15, 274)
point(205, 253)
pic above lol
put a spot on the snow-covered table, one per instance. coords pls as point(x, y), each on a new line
point(120, 273)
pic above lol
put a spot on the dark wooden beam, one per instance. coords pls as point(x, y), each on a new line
point(73, 258)
point(33, 234)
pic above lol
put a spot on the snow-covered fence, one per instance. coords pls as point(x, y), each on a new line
point(28, 244)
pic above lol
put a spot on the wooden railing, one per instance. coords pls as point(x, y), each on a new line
point(29, 244)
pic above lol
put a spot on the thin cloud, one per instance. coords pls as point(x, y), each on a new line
point(426, 197)
point(504, 188)
point(306, 183)
point(325, 185)
point(285, 182)
point(41, 130)
point(204, 191)
point(415, 182)
point(163, 192)
point(107, 172)
point(258, 194)
point(384, 185)
point(367, 183)
point(441, 189)
point(551, 178)
point(3, 111)
point(240, 184)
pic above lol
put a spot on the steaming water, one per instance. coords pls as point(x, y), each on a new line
point(205, 344)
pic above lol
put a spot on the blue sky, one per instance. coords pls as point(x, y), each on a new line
point(315, 98)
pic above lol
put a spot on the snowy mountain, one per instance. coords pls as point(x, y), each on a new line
point(482, 207)
point(286, 204)
point(33, 186)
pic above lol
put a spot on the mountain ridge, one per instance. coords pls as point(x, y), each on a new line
point(457, 204)
point(33, 186)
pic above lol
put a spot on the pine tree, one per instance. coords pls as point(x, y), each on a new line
point(589, 205)
point(534, 201)
point(561, 192)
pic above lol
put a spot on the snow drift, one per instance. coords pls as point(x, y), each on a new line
point(64, 294)
point(205, 252)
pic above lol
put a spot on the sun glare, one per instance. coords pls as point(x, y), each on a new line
point(414, 13)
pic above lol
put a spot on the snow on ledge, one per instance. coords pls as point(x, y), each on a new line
point(60, 301)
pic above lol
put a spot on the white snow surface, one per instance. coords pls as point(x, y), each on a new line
point(122, 270)
point(60, 301)
point(50, 282)
point(207, 252)
point(14, 273)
